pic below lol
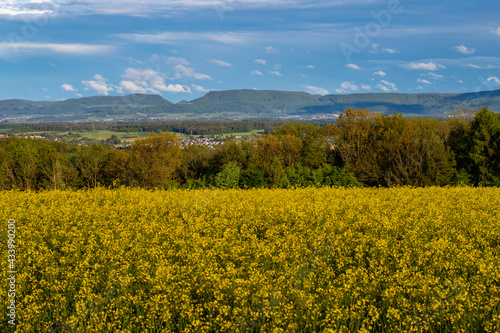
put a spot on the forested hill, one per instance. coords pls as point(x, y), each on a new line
point(241, 104)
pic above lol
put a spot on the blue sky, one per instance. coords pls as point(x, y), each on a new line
point(181, 49)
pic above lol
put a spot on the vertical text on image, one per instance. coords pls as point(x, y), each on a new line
point(11, 271)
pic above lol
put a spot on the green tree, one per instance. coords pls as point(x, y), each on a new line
point(291, 149)
point(52, 167)
point(90, 162)
point(229, 177)
point(300, 176)
point(485, 145)
point(415, 152)
point(118, 169)
point(268, 147)
point(230, 151)
point(335, 176)
point(251, 178)
point(155, 160)
point(277, 174)
point(20, 163)
point(195, 162)
point(475, 142)
point(5, 181)
point(357, 138)
point(313, 149)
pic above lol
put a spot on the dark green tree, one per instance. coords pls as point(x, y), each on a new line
point(229, 177)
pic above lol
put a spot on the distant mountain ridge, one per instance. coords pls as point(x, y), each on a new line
point(241, 104)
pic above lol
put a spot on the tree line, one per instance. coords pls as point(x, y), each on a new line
point(361, 149)
point(205, 128)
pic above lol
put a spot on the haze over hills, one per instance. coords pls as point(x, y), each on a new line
point(241, 104)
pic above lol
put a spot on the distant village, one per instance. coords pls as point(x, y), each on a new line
point(209, 142)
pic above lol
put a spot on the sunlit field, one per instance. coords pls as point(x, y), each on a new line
point(304, 260)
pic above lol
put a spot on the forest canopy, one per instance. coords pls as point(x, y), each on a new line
point(361, 149)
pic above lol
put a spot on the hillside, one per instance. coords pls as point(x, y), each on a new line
point(241, 104)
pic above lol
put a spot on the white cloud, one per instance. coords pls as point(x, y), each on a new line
point(160, 8)
point(277, 66)
point(305, 37)
point(366, 87)
point(177, 88)
point(82, 49)
point(435, 76)
point(494, 79)
point(134, 88)
point(380, 73)
point(496, 31)
point(463, 49)
point(142, 81)
point(429, 66)
point(99, 85)
point(353, 66)
point(387, 86)
point(257, 73)
point(272, 50)
point(276, 73)
point(169, 37)
point(25, 8)
point(347, 86)
point(68, 87)
point(374, 48)
point(155, 58)
point(261, 61)
point(316, 90)
point(472, 66)
point(145, 81)
point(199, 88)
point(18, 12)
point(190, 73)
point(176, 60)
point(134, 61)
point(310, 67)
point(424, 81)
point(221, 63)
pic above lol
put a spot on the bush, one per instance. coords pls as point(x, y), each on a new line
point(229, 177)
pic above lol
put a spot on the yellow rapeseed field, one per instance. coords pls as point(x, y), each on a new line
point(299, 260)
